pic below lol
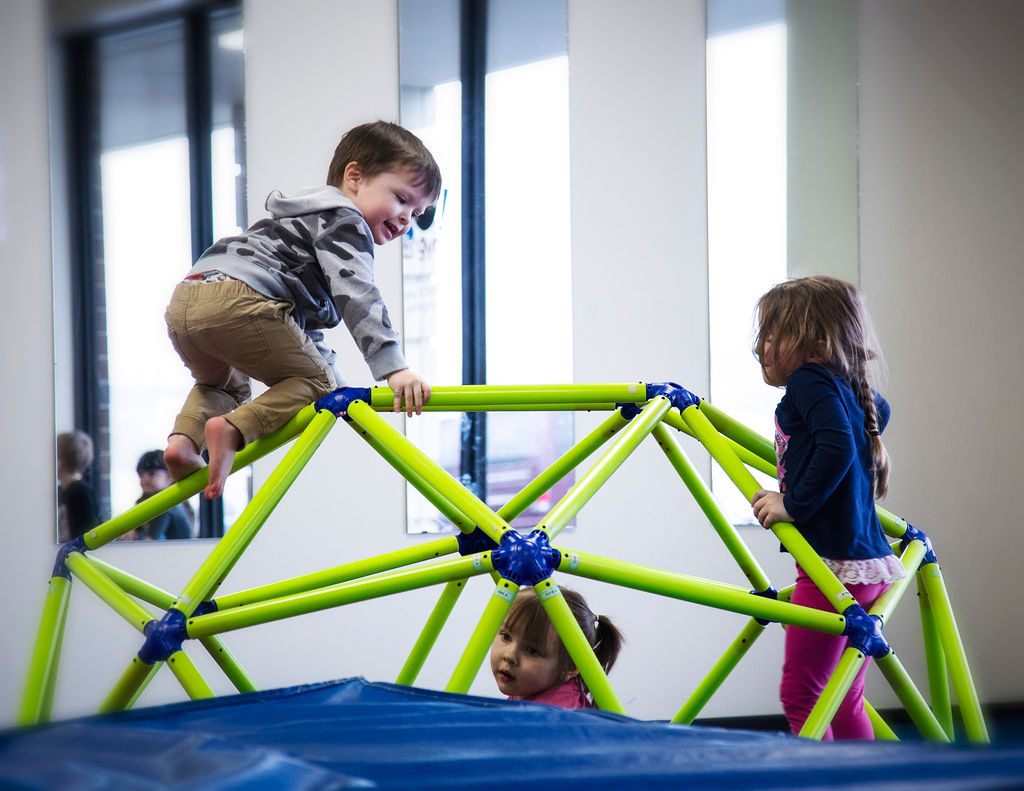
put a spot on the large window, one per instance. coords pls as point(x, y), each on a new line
point(155, 146)
point(782, 180)
point(746, 67)
point(487, 286)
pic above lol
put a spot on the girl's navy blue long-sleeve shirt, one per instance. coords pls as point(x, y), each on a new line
point(824, 465)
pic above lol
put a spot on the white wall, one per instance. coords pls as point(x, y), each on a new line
point(942, 262)
point(27, 465)
point(940, 267)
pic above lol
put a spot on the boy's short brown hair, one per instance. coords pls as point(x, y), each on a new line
point(75, 451)
point(382, 147)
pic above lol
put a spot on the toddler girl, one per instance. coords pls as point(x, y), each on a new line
point(530, 662)
point(813, 340)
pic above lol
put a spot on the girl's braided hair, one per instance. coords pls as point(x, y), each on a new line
point(825, 319)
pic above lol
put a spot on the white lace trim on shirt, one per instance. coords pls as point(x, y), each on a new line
point(870, 571)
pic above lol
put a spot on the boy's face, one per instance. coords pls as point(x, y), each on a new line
point(388, 201)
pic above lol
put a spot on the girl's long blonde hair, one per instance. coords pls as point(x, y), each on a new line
point(824, 319)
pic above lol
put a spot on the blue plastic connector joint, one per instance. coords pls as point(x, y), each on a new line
point(163, 637)
point(865, 632)
point(205, 607)
point(768, 593)
point(629, 410)
point(679, 396)
point(525, 560)
point(60, 568)
point(337, 401)
point(913, 534)
point(477, 541)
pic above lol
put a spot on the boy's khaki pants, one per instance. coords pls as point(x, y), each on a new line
point(225, 333)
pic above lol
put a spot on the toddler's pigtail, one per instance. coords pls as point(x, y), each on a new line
point(607, 642)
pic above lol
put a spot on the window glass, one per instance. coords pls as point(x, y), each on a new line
point(746, 77)
point(527, 265)
point(144, 183)
point(147, 202)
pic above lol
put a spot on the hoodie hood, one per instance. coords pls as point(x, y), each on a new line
point(307, 201)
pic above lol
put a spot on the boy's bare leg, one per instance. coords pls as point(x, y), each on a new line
point(182, 457)
point(222, 441)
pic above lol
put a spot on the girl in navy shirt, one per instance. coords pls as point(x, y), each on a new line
point(831, 463)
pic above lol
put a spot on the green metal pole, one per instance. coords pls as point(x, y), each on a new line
point(699, 591)
point(120, 602)
point(570, 460)
point(739, 433)
point(885, 604)
point(196, 482)
point(480, 641)
point(763, 449)
point(880, 726)
point(339, 574)
point(723, 667)
point(747, 456)
point(541, 397)
point(462, 522)
point(188, 676)
point(90, 575)
point(578, 646)
point(45, 659)
point(135, 586)
point(706, 500)
point(438, 618)
point(554, 473)
point(428, 470)
point(956, 657)
point(893, 525)
point(935, 661)
point(835, 690)
point(787, 534)
point(230, 548)
point(128, 688)
point(911, 698)
point(617, 452)
point(852, 659)
point(163, 599)
point(227, 662)
point(337, 595)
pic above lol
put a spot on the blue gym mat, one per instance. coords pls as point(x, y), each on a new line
point(356, 734)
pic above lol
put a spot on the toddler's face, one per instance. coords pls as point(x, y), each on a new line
point(522, 668)
point(388, 201)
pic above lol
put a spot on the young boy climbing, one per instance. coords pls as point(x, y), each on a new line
point(255, 305)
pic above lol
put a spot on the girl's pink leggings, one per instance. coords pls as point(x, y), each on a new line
point(812, 656)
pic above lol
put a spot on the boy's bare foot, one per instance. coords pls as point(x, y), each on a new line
point(222, 441)
point(182, 457)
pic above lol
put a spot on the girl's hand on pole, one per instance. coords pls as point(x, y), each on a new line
point(768, 508)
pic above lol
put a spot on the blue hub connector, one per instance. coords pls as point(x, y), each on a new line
point(865, 632)
point(679, 396)
point(525, 560)
point(913, 534)
point(163, 637)
point(60, 568)
point(768, 593)
point(477, 541)
point(338, 400)
point(629, 410)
